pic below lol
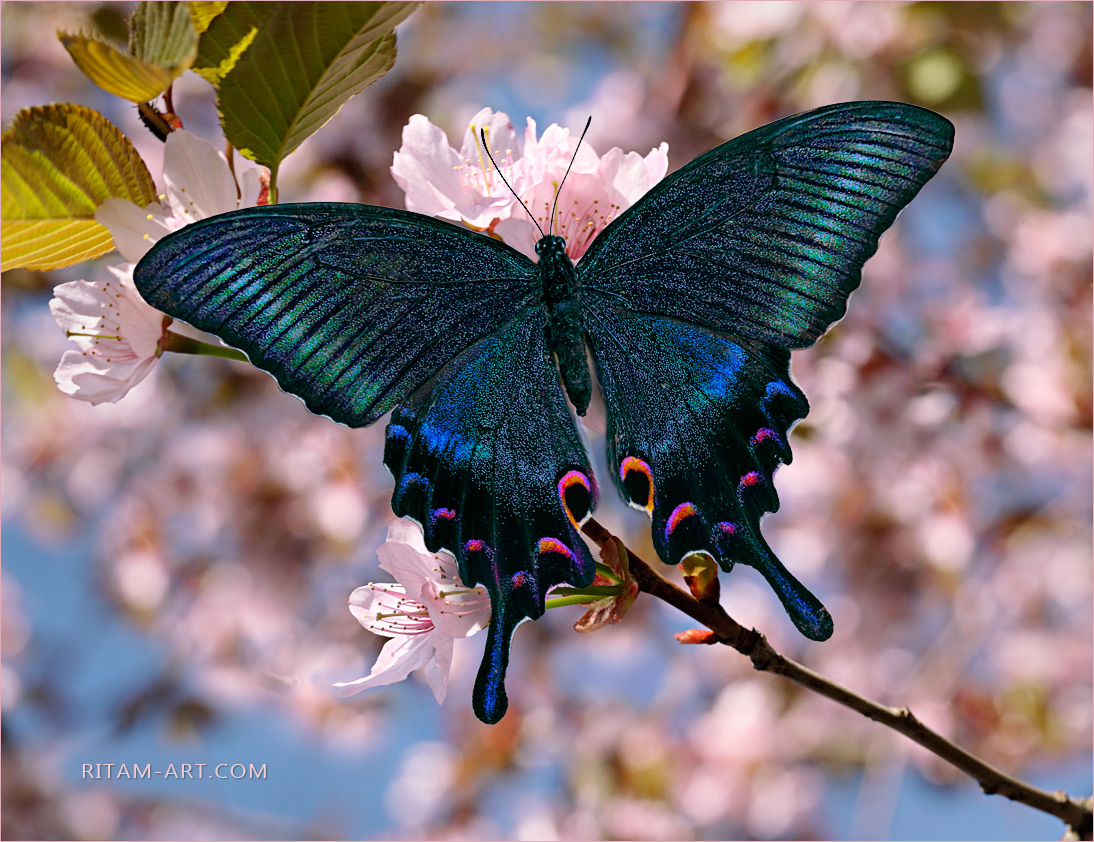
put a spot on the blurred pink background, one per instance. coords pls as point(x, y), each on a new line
point(176, 566)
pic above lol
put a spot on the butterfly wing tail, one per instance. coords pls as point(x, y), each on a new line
point(489, 699)
point(805, 610)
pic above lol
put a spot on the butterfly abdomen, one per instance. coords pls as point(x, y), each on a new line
point(561, 287)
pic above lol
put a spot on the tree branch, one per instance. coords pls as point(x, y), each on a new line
point(1077, 815)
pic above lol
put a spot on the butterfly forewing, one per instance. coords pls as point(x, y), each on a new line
point(765, 236)
point(349, 307)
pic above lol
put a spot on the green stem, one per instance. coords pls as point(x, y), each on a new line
point(595, 591)
point(606, 572)
point(273, 185)
point(575, 599)
point(185, 345)
point(561, 597)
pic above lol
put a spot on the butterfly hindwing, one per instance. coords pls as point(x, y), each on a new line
point(697, 424)
point(487, 458)
point(765, 236)
point(349, 307)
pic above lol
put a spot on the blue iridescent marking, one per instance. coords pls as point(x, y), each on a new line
point(439, 439)
point(396, 431)
point(725, 369)
point(778, 387)
point(412, 478)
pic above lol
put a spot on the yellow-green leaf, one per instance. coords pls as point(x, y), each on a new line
point(114, 71)
point(307, 60)
point(202, 12)
point(52, 244)
point(228, 36)
point(163, 44)
point(163, 35)
point(58, 163)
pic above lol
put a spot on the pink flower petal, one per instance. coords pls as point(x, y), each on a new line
point(439, 181)
point(96, 380)
point(198, 182)
point(398, 659)
point(134, 229)
point(439, 666)
point(455, 609)
point(117, 333)
point(386, 609)
point(465, 185)
point(405, 557)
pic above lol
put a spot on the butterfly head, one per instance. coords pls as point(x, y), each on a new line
point(550, 246)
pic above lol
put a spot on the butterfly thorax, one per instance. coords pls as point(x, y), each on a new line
point(561, 287)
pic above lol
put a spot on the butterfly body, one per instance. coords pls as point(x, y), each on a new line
point(690, 303)
point(565, 333)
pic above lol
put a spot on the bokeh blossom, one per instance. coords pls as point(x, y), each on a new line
point(423, 612)
point(465, 186)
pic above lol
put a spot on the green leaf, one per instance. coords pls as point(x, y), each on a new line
point(163, 35)
point(228, 36)
point(307, 60)
point(58, 163)
point(202, 12)
point(163, 44)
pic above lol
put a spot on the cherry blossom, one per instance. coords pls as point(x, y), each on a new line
point(465, 186)
point(119, 336)
point(597, 189)
point(198, 183)
point(423, 612)
point(439, 181)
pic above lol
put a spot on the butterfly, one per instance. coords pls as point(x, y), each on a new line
point(690, 302)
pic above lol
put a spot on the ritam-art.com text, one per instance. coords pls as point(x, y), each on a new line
point(174, 771)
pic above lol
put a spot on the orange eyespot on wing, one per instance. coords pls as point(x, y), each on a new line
point(577, 493)
point(637, 479)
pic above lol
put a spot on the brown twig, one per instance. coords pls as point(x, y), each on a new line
point(1076, 814)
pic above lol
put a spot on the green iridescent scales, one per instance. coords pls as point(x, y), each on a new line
point(351, 308)
point(690, 301)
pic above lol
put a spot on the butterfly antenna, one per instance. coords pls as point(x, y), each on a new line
point(554, 207)
point(482, 134)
